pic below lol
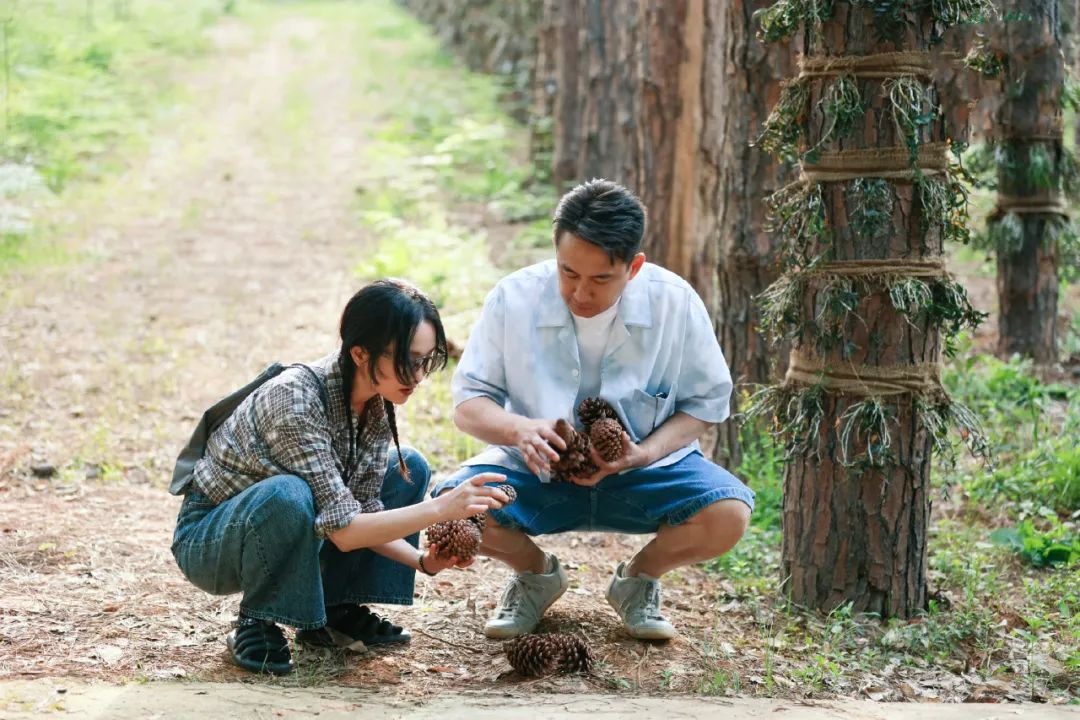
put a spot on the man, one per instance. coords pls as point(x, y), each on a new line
point(598, 321)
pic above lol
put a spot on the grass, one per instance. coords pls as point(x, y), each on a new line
point(443, 162)
point(1004, 567)
point(81, 81)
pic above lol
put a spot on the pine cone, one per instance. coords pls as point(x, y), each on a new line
point(575, 460)
point(576, 655)
point(592, 409)
point(606, 436)
point(480, 519)
point(546, 654)
point(455, 538)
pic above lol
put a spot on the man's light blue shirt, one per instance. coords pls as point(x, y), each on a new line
point(662, 357)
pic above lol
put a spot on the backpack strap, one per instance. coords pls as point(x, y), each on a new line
point(195, 449)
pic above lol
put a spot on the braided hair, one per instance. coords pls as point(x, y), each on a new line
point(385, 314)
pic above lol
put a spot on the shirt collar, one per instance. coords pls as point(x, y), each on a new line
point(635, 307)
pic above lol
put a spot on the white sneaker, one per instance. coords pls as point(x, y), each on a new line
point(637, 600)
point(525, 600)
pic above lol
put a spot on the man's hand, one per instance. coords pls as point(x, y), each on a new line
point(537, 441)
point(633, 456)
point(435, 564)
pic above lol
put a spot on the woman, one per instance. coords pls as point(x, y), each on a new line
point(304, 459)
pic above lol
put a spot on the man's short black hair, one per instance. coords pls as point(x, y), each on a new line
point(605, 214)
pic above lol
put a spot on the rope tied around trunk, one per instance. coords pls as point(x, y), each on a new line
point(931, 268)
point(923, 379)
point(879, 65)
point(1046, 203)
point(893, 163)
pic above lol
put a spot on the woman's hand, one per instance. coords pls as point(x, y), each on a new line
point(472, 497)
point(434, 564)
point(538, 443)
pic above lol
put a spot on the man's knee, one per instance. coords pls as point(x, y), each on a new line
point(723, 523)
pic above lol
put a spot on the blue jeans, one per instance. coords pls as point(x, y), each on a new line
point(638, 501)
point(261, 542)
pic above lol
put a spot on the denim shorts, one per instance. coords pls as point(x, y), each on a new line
point(638, 501)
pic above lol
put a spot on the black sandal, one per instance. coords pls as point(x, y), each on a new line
point(259, 646)
point(354, 627)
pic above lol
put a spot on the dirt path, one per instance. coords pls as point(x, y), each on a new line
point(174, 700)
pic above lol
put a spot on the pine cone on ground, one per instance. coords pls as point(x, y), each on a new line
point(606, 435)
point(455, 538)
point(575, 460)
point(533, 655)
point(592, 409)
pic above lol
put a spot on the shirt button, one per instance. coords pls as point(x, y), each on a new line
point(575, 373)
point(562, 334)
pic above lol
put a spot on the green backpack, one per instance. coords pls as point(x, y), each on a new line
point(217, 414)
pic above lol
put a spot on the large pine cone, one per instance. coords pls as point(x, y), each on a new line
point(546, 654)
point(576, 459)
point(480, 519)
point(606, 435)
point(592, 409)
point(455, 538)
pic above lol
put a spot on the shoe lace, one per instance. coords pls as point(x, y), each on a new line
point(650, 600)
point(514, 596)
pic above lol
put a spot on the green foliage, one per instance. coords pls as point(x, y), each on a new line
point(757, 556)
point(1041, 548)
point(797, 213)
point(939, 303)
point(783, 128)
point(76, 87)
point(783, 18)
point(986, 62)
point(441, 158)
point(1031, 425)
point(913, 109)
point(873, 202)
point(793, 415)
point(1008, 395)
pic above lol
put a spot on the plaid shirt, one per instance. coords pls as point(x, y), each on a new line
point(283, 429)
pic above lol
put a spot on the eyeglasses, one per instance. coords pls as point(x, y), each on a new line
point(425, 364)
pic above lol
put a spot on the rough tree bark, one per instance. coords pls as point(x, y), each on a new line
point(859, 534)
point(1029, 126)
point(734, 179)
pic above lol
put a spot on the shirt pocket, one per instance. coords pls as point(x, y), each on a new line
point(646, 412)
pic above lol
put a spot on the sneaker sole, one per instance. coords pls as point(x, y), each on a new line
point(651, 633)
point(501, 633)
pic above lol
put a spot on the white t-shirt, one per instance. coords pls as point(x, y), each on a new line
point(592, 338)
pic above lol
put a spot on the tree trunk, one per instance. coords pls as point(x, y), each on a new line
point(489, 36)
point(1029, 125)
point(545, 86)
point(734, 180)
point(858, 533)
point(566, 169)
point(608, 91)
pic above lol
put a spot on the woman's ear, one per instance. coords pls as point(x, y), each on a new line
point(359, 356)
